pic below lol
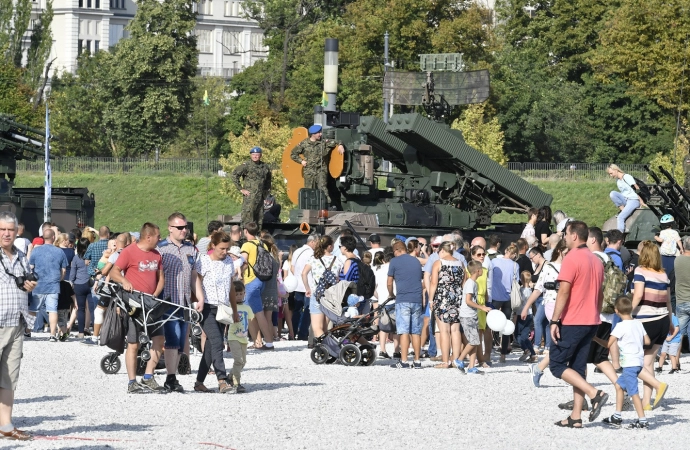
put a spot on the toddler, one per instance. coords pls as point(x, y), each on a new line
point(525, 322)
point(237, 337)
point(469, 319)
point(670, 347)
point(631, 336)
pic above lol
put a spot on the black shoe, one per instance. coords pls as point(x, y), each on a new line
point(171, 384)
point(424, 355)
point(384, 355)
point(619, 370)
point(569, 405)
point(597, 370)
point(638, 424)
point(613, 421)
point(672, 371)
point(658, 370)
point(397, 355)
point(241, 389)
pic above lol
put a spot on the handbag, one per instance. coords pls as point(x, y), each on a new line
point(515, 296)
point(114, 328)
point(224, 314)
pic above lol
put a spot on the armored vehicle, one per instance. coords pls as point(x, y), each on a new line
point(71, 207)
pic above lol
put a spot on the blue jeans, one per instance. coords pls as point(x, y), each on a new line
point(432, 339)
point(93, 301)
point(541, 326)
point(683, 314)
point(82, 293)
point(409, 318)
point(41, 319)
point(175, 329)
point(48, 301)
point(301, 319)
point(522, 330)
point(629, 206)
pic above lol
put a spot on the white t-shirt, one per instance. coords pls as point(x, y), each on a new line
point(381, 276)
point(470, 287)
point(22, 244)
point(528, 231)
point(217, 279)
point(625, 185)
point(373, 252)
point(630, 334)
point(669, 247)
point(299, 259)
point(525, 294)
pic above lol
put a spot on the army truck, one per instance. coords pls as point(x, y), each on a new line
point(71, 207)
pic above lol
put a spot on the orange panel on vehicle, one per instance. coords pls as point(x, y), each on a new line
point(291, 170)
point(335, 166)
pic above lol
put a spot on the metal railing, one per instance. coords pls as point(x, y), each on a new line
point(573, 171)
point(188, 166)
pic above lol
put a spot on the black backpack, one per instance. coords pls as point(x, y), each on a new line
point(263, 266)
point(366, 284)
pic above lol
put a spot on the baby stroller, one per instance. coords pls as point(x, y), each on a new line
point(147, 313)
point(348, 340)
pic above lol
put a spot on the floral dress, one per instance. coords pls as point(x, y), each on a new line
point(449, 291)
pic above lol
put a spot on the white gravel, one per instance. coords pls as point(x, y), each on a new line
point(68, 402)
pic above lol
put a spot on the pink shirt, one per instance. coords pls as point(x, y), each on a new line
point(585, 273)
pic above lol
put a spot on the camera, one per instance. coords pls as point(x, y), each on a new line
point(20, 280)
point(552, 285)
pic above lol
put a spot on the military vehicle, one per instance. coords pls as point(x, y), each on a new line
point(71, 207)
point(438, 182)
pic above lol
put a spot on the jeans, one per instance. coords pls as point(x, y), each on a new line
point(93, 301)
point(409, 318)
point(49, 302)
point(629, 206)
point(683, 314)
point(541, 326)
point(175, 329)
point(41, 319)
point(507, 310)
point(522, 329)
point(432, 339)
point(81, 291)
point(301, 319)
point(213, 349)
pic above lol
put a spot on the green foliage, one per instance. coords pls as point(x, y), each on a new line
point(15, 95)
point(39, 48)
point(13, 27)
point(482, 134)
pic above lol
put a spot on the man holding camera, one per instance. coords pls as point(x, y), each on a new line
point(14, 316)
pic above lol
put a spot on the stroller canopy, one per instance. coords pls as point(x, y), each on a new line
point(334, 296)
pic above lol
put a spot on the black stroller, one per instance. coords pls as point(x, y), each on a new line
point(146, 311)
point(348, 340)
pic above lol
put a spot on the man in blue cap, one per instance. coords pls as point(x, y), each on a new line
point(256, 176)
point(313, 153)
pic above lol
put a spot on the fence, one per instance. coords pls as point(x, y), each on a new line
point(188, 166)
point(572, 171)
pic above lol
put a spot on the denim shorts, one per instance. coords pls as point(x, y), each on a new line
point(314, 307)
point(252, 295)
point(572, 350)
point(175, 329)
point(50, 301)
point(409, 318)
point(628, 380)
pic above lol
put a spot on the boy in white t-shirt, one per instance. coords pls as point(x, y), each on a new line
point(631, 337)
point(237, 336)
point(469, 320)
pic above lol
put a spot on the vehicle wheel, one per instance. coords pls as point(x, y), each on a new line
point(196, 330)
point(368, 355)
point(110, 363)
point(319, 354)
point(195, 316)
point(184, 367)
point(350, 355)
point(143, 339)
point(145, 355)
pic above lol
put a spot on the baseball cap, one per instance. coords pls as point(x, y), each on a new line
point(315, 128)
point(407, 241)
point(375, 238)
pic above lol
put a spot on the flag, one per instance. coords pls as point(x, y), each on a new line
point(324, 99)
point(206, 102)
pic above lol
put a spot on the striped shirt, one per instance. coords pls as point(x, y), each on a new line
point(653, 304)
point(178, 263)
point(14, 303)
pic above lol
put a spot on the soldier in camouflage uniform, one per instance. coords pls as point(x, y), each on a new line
point(316, 154)
point(257, 184)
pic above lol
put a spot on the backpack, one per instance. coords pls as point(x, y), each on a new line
point(263, 265)
point(614, 284)
point(327, 280)
point(366, 284)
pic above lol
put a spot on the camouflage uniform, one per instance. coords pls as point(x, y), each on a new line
point(686, 169)
point(316, 153)
point(257, 180)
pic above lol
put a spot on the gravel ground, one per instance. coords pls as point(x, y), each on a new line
point(68, 402)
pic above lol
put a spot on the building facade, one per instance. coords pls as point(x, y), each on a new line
point(227, 41)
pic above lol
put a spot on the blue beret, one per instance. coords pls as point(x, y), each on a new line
point(255, 150)
point(314, 129)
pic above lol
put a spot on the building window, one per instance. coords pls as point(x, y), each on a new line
point(203, 41)
point(204, 71)
point(117, 32)
point(80, 46)
point(98, 4)
point(88, 3)
point(257, 42)
point(205, 7)
point(232, 9)
point(231, 40)
point(88, 46)
point(96, 46)
point(81, 3)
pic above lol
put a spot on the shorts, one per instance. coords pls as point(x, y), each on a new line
point(470, 328)
point(597, 353)
point(11, 347)
point(49, 300)
point(670, 348)
point(134, 330)
point(175, 329)
point(657, 330)
point(314, 306)
point(252, 295)
point(572, 350)
point(408, 318)
point(628, 380)
point(63, 317)
point(104, 301)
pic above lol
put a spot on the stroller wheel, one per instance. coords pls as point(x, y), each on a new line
point(319, 354)
point(350, 355)
point(183, 366)
point(194, 316)
point(110, 363)
point(145, 355)
point(196, 330)
point(141, 366)
point(368, 355)
point(143, 339)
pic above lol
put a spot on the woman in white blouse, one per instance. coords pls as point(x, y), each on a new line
point(212, 280)
point(322, 260)
point(627, 199)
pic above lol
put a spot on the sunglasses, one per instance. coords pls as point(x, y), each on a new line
point(179, 227)
point(480, 255)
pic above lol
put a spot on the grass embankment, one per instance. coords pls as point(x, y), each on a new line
point(124, 202)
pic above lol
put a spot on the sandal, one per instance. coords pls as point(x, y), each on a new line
point(570, 423)
point(598, 401)
point(442, 366)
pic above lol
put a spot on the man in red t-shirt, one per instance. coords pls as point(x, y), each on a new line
point(575, 321)
point(142, 267)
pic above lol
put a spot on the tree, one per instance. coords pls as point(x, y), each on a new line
point(485, 136)
point(15, 94)
point(272, 139)
point(39, 48)
point(149, 88)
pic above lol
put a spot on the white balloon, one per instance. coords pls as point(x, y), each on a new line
point(509, 328)
point(496, 320)
point(290, 283)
